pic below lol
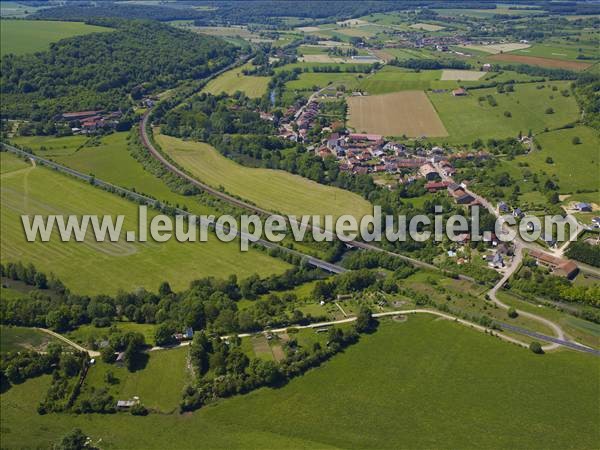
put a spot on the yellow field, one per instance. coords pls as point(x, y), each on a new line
point(462, 75)
point(274, 190)
point(234, 80)
point(407, 112)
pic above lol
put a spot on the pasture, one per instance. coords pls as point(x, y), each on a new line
point(92, 267)
point(542, 62)
point(560, 51)
point(576, 166)
point(310, 80)
point(458, 372)
point(274, 190)
point(471, 117)
point(158, 385)
point(28, 36)
point(408, 112)
point(234, 80)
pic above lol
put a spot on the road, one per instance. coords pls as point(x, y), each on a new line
point(519, 245)
point(91, 353)
point(146, 141)
point(442, 315)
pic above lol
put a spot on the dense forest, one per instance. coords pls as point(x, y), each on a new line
point(105, 70)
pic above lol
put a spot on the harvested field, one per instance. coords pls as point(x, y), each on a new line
point(308, 29)
point(407, 112)
point(463, 75)
point(498, 48)
point(542, 62)
point(261, 348)
point(426, 27)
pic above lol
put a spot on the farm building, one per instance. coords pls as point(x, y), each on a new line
point(429, 172)
point(560, 267)
point(460, 92)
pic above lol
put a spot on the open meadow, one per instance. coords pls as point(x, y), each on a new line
point(18, 339)
point(539, 61)
point(28, 36)
point(476, 391)
point(471, 117)
point(407, 112)
point(92, 267)
point(274, 190)
point(234, 80)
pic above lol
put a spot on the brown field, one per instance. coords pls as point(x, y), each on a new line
point(426, 26)
point(543, 62)
point(498, 48)
point(407, 112)
point(383, 55)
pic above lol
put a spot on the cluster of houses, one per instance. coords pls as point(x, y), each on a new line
point(90, 122)
point(297, 120)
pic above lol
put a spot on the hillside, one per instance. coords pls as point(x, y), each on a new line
point(100, 71)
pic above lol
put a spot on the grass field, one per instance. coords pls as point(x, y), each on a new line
point(159, 385)
point(104, 267)
point(494, 49)
point(467, 118)
point(15, 339)
point(109, 161)
point(234, 80)
point(274, 190)
point(28, 36)
point(309, 80)
point(560, 51)
point(485, 13)
point(577, 166)
point(543, 62)
point(476, 392)
point(408, 112)
point(88, 333)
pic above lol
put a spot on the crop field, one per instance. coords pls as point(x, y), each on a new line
point(92, 267)
point(471, 117)
point(461, 75)
point(576, 166)
point(274, 190)
point(542, 62)
point(28, 36)
point(341, 395)
point(497, 48)
point(15, 339)
point(408, 112)
point(426, 27)
point(158, 385)
point(234, 80)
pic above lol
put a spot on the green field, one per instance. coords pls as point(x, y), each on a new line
point(310, 80)
point(159, 385)
point(234, 80)
point(567, 52)
point(466, 118)
point(274, 190)
point(104, 267)
point(476, 392)
point(85, 334)
point(577, 166)
point(28, 36)
point(485, 13)
point(15, 339)
point(109, 161)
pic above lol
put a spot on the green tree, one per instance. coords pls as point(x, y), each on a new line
point(536, 347)
point(73, 440)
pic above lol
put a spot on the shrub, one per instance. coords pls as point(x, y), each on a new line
point(512, 313)
point(576, 140)
point(536, 348)
point(550, 111)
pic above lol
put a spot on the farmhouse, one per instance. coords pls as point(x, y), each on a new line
point(429, 172)
point(560, 267)
point(460, 92)
point(435, 186)
point(365, 137)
